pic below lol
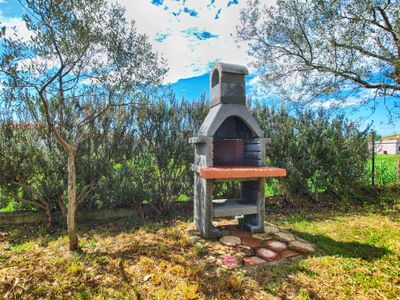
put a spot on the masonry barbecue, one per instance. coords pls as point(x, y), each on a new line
point(230, 147)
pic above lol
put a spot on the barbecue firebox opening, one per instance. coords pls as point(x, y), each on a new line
point(233, 143)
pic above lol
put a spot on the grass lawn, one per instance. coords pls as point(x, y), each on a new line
point(385, 169)
point(358, 257)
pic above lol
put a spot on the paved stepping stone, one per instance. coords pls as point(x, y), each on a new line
point(284, 236)
point(231, 261)
point(230, 240)
point(267, 254)
point(275, 245)
point(262, 236)
point(301, 246)
point(240, 233)
point(288, 253)
point(252, 242)
point(268, 229)
point(253, 261)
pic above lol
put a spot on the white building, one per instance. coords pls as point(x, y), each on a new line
point(388, 145)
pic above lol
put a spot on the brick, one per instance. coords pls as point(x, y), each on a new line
point(252, 242)
point(241, 233)
point(288, 253)
point(275, 245)
point(267, 254)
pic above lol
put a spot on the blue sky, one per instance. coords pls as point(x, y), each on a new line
point(193, 34)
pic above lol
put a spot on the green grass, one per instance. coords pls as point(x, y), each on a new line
point(23, 247)
point(385, 169)
point(8, 208)
point(359, 254)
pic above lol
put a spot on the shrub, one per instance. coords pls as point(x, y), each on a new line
point(321, 152)
point(164, 133)
point(140, 154)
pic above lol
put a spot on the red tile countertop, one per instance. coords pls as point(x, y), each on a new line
point(243, 172)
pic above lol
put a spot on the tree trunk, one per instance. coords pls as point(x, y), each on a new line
point(47, 211)
point(72, 204)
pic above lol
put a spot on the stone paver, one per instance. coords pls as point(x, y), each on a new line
point(275, 245)
point(267, 254)
point(263, 236)
point(301, 246)
point(285, 236)
point(288, 253)
point(230, 261)
point(253, 261)
point(252, 242)
point(237, 247)
point(269, 229)
point(230, 240)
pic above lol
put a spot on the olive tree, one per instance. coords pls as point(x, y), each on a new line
point(81, 59)
point(312, 50)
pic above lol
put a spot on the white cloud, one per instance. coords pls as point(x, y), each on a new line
point(351, 101)
point(14, 23)
point(187, 55)
point(191, 41)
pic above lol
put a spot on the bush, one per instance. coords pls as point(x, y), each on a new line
point(140, 154)
point(31, 170)
point(321, 153)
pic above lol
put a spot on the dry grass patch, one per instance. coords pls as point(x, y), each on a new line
point(357, 257)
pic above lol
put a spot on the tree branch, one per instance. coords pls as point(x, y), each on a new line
point(83, 194)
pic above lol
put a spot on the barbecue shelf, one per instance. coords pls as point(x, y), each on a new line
point(233, 207)
point(240, 172)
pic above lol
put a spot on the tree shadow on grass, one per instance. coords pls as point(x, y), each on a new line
point(328, 246)
point(16, 235)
